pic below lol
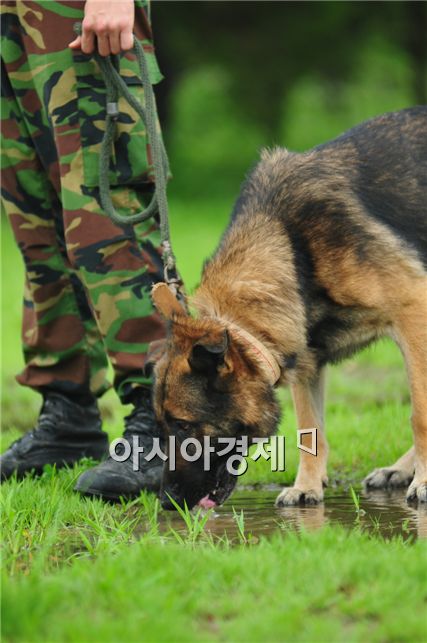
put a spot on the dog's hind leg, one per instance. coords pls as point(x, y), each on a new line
point(398, 474)
point(312, 476)
point(411, 333)
point(410, 329)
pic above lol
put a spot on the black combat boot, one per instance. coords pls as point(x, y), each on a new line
point(66, 432)
point(113, 479)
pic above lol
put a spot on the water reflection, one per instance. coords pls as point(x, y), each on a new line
point(380, 512)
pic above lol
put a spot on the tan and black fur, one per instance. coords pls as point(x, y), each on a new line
point(326, 252)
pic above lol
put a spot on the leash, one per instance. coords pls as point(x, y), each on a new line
point(116, 87)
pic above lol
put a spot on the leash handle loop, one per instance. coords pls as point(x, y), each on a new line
point(116, 86)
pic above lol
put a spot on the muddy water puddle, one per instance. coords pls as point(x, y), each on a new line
point(382, 513)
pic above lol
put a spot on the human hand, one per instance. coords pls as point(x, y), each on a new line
point(107, 24)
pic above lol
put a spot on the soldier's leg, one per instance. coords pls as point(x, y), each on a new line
point(115, 264)
point(115, 267)
point(62, 346)
point(118, 265)
point(63, 352)
point(118, 269)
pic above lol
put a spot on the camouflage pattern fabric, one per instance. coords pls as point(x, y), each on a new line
point(87, 279)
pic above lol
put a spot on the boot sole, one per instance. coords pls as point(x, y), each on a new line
point(20, 471)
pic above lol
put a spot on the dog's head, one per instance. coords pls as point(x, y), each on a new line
point(207, 385)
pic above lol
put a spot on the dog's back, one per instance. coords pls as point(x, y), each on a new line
point(377, 169)
point(353, 223)
point(390, 178)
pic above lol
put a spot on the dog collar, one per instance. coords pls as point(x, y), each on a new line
point(264, 357)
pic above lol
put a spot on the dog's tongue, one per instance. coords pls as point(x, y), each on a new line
point(206, 503)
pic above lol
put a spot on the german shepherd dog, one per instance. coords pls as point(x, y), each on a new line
point(326, 252)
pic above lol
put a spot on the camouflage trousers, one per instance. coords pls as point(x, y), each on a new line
point(86, 298)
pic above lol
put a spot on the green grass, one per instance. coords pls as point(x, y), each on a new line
point(327, 586)
point(80, 570)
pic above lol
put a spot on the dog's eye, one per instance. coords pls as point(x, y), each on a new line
point(183, 424)
point(182, 429)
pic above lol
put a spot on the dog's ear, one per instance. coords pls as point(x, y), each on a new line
point(207, 355)
point(165, 301)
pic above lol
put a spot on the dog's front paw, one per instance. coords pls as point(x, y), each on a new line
point(417, 491)
point(387, 477)
point(291, 496)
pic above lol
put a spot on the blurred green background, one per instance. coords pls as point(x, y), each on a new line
point(243, 75)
